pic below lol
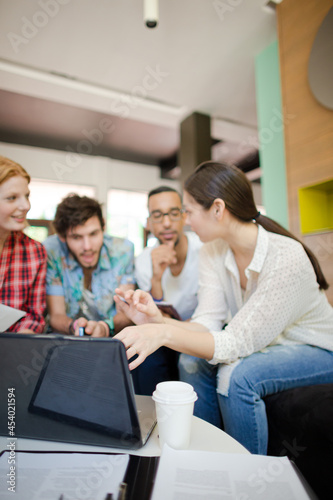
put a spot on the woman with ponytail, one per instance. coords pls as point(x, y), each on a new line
point(263, 323)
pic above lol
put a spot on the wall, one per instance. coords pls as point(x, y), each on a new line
point(270, 133)
point(100, 172)
point(308, 126)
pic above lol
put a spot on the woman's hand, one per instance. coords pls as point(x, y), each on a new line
point(139, 306)
point(93, 328)
point(142, 340)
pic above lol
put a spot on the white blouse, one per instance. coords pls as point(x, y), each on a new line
point(282, 303)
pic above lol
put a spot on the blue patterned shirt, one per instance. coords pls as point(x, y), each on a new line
point(65, 275)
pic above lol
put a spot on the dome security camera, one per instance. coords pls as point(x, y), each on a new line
point(150, 13)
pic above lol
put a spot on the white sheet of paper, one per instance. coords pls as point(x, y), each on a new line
point(9, 316)
point(200, 475)
point(45, 476)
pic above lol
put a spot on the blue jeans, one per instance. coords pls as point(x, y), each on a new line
point(202, 376)
point(160, 366)
point(257, 376)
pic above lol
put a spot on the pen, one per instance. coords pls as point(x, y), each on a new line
point(81, 331)
point(122, 299)
point(122, 491)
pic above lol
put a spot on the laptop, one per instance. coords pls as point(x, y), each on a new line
point(72, 389)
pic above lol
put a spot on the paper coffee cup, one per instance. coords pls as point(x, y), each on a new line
point(174, 403)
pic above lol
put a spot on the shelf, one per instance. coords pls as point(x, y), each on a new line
point(316, 207)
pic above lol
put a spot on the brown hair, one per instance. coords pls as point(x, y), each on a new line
point(9, 168)
point(75, 210)
point(213, 180)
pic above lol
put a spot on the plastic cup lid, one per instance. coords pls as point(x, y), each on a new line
point(174, 392)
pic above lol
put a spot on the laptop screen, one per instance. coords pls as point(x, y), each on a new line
point(69, 389)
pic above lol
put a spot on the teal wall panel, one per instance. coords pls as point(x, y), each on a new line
point(271, 137)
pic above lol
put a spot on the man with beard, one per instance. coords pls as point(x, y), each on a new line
point(84, 268)
point(169, 271)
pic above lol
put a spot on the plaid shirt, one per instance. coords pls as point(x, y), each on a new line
point(22, 280)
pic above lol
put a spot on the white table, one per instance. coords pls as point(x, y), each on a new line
point(204, 436)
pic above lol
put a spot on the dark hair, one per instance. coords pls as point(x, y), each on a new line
point(75, 210)
point(213, 180)
point(163, 189)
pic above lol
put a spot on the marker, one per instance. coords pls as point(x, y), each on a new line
point(81, 331)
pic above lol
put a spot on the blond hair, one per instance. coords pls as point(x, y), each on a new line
point(9, 168)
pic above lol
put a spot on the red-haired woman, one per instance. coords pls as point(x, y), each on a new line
point(22, 260)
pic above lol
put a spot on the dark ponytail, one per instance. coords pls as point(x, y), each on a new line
point(213, 180)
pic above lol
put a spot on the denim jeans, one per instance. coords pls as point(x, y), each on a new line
point(160, 366)
point(255, 377)
point(202, 376)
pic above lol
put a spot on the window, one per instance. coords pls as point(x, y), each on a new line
point(127, 214)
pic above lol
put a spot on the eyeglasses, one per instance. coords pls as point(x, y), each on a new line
point(173, 214)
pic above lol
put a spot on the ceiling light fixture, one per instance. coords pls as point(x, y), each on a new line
point(150, 13)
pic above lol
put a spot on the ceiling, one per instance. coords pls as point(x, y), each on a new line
point(89, 76)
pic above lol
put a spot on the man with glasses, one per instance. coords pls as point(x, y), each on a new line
point(169, 271)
